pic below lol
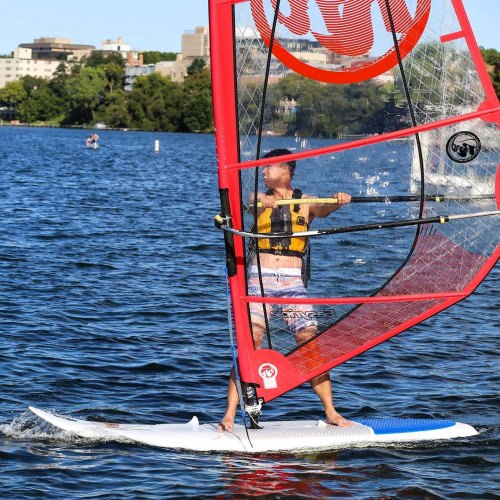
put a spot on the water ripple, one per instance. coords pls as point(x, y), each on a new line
point(113, 307)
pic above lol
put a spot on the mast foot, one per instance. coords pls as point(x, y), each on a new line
point(254, 412)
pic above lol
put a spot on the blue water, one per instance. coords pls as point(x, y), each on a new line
point(112, 306)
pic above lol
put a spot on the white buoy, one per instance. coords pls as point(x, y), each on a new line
point(157, 146)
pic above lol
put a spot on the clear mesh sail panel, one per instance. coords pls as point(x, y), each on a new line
point(286, 104)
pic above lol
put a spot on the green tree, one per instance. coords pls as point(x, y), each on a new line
point(48, 106)
point(115, 76)
point(95, 59)
point(492, 59)
point(197, 65)
point(59, 79)
point(115, 58)
point(84, 93)
point(113, 65)
point(13, 93)
point(43, 105)
point(115, 110)
point(155, 102)
point(154, 56)
point(197, 102)
point(324, 110)
point(26, 109)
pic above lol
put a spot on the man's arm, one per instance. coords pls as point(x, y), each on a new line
point(266, 200)
point(326, 210)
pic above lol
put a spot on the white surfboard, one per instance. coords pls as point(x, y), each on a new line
point(274, 436)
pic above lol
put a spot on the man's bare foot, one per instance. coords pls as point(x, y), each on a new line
point(226, 424)
point(337, 419)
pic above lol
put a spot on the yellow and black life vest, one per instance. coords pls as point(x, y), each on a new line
point(283, 218)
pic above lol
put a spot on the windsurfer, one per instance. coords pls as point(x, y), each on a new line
point(281, 262)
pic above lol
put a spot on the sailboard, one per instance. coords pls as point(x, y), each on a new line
point(272, 437)
point(388, 100)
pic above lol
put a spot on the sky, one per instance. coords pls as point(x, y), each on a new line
point(152, 24)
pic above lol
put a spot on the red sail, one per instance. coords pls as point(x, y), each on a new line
point(414, 126)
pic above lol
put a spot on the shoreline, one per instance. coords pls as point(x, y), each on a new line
point(87, 127)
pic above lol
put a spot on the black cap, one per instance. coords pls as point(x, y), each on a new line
point(282, 152)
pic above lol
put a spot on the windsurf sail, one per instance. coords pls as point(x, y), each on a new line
point(388, 100)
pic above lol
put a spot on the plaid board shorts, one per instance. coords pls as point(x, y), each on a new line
point(283, 282)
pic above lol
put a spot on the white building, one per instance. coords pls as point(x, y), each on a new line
point(118, 45)
point(22, 64)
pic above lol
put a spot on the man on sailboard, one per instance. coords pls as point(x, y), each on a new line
point(281, 265)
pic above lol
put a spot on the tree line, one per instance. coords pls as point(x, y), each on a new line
point(94, 92)
point(305, 107)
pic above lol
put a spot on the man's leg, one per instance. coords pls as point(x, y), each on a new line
point(226, 424)
point(322, 384)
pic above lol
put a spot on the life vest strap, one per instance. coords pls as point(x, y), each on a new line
point(286, 253)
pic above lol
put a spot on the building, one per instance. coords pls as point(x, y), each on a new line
point(57, 49)
point(195, 45)
point(135, 70)
point(23, 64)
point(134, 59)
point(120, 47)
point(41, 58)
point(176, 70)
point(316, 59)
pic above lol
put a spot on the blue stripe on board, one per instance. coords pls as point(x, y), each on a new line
point(401, 425)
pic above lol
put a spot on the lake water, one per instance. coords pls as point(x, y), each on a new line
point(112, 306)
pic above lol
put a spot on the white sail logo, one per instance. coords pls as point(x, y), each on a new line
point(463, 147)
point(268, 373)
point(348, 29)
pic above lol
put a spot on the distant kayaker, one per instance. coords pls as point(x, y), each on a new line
point(92, 139)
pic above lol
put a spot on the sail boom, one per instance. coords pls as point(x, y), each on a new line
point(438, 198)
point(440, 219)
